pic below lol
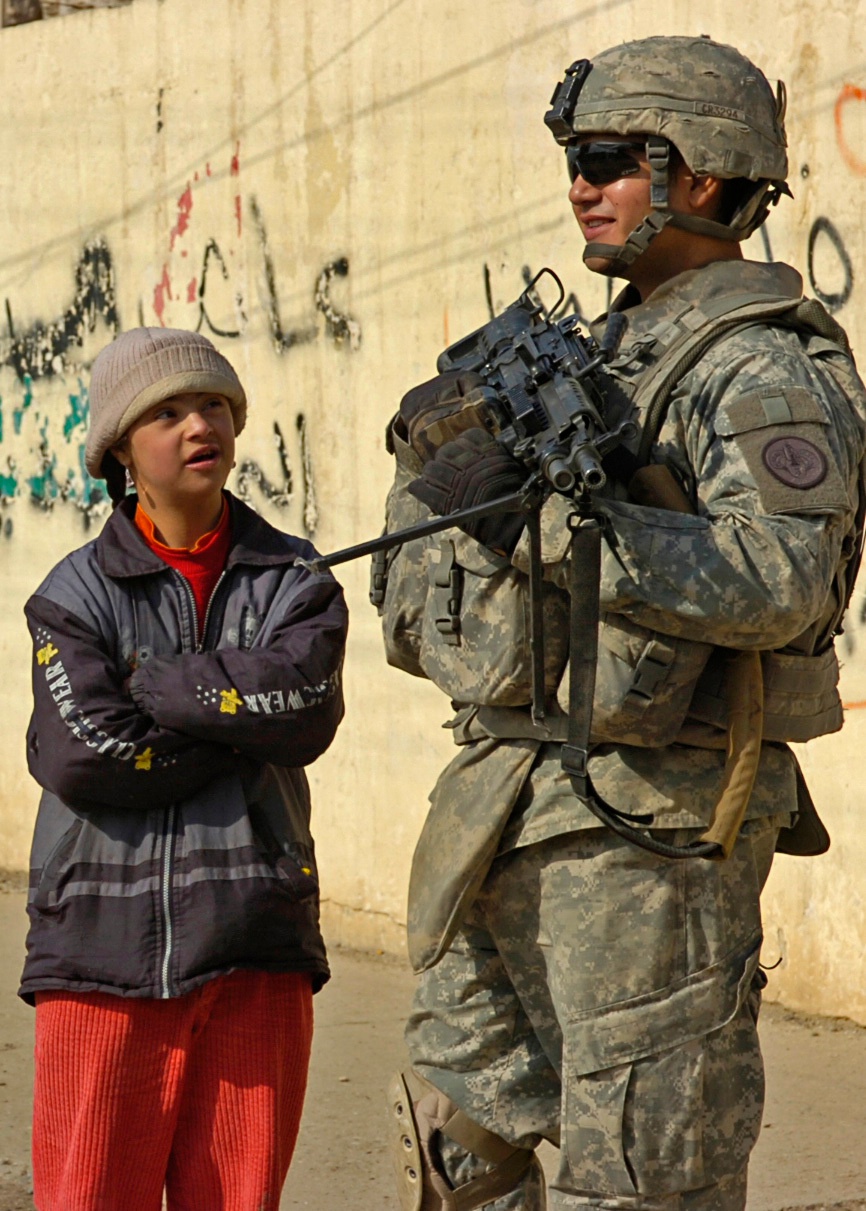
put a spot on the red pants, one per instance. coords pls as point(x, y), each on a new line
point(199, 1095)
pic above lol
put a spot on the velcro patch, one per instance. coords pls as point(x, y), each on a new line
point(795, 462)
point(782, 435)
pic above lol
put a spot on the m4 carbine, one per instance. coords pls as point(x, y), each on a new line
point(543, 393)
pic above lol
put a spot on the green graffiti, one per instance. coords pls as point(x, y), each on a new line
point(9, 483)
point(18, 413)
point(93, 490)
point(55, 472)
point(44, 488)
point(79, 411)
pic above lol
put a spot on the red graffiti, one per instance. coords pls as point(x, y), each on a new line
point(184, 208)
point(236, 162)
point(238, 212)
point(192, 290)
point(161, 292)
point(849, 93)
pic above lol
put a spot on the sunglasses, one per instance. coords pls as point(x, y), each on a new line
point(601, 163)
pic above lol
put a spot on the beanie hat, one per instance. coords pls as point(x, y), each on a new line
point(144, 366)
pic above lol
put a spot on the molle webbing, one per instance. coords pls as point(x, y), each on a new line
point(801, 700)
point(701, 327)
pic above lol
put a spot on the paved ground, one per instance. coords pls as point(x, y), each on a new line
point(812, 1152)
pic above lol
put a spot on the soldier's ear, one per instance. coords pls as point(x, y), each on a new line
point(705, 194)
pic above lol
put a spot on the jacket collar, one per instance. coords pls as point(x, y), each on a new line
point(123, 552)
point(696, 288)
point(687, 300)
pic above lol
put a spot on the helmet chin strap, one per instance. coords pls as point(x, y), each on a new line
point(620, 256)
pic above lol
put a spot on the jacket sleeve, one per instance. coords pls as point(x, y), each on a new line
point(774, 457)
point(278, 701)
point(88, 742)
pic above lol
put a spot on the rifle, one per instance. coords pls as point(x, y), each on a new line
point(544, 395)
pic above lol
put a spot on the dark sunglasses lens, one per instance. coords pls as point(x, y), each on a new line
point(602, 163)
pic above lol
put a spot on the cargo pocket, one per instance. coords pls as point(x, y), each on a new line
point(644, 683)
point(664, 1092)
point(476, 629)
point(293, 863)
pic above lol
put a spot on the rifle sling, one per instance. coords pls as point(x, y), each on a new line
point(536, 612)
point(584, 586)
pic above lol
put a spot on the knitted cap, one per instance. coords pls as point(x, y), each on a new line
point(144, 366)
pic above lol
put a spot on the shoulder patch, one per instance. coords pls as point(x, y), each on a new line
point(795, 461)
point(781, 433)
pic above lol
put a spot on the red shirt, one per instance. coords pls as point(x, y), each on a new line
point(201, 565)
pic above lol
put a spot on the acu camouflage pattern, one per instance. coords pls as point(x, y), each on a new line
point(588, 982)
point(708, 99)
point(462, 617)
point(757, 566)
point(760, 564)
point(594, 994)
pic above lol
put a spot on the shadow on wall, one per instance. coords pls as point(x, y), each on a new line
point(19, 12)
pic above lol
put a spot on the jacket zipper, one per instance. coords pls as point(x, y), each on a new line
point(171, 812)
point(200, 646)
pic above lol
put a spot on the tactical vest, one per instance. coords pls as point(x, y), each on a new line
point(651, 688)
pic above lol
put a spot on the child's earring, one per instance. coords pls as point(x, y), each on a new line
point(129, 480)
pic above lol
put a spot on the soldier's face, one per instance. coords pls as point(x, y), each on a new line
point(608, 213)
point(608, 210)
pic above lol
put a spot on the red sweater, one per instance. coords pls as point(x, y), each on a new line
point(201, 565)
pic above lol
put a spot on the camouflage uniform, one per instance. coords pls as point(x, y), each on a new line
point(575, 988)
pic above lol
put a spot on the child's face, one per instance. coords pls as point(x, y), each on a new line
point(181, 450)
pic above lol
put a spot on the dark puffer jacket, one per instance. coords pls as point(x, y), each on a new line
point(173, 841)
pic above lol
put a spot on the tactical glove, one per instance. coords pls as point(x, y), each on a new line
point(472, 470)
point(438, 411)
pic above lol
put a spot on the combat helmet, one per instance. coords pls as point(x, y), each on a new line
point(705, 99)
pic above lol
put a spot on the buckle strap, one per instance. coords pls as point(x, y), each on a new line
point(446, 581)
point(658, 153)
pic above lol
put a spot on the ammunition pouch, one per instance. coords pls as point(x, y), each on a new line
point(476, 647)
point(643, 685)
point(801, 698)
point(476, 629)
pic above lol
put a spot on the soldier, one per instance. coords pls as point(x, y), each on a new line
point(575, 987)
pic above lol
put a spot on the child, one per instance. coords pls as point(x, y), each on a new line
point(185, 669)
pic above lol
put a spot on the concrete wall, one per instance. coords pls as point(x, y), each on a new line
point(332, 192)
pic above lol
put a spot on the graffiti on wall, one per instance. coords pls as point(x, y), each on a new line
point(833, 282)
point(217, 274)
point(42, 439)
point(46, 349)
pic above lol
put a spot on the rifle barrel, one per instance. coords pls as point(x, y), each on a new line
point(514, 502)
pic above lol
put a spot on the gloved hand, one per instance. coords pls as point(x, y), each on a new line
point(434, 412)
point(471, 470)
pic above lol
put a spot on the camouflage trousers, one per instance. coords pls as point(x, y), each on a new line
point(606, 1000)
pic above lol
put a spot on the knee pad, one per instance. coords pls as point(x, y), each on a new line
point(419, 1112)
